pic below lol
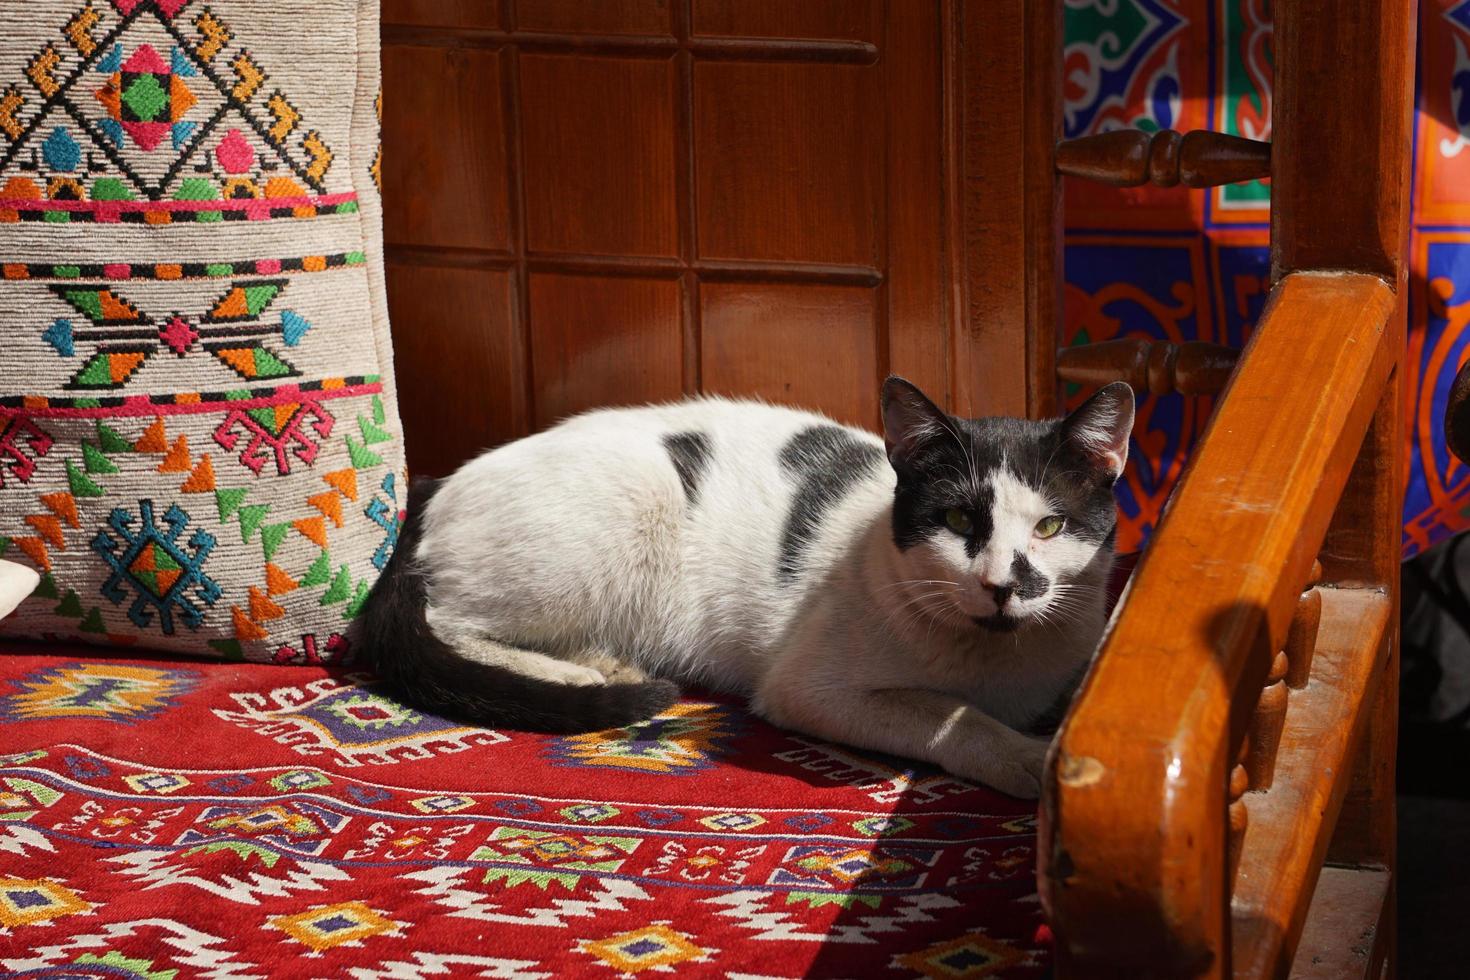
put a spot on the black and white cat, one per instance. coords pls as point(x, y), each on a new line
point(934, 594)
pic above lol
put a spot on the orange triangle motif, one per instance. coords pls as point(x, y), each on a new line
point(177, 460)
point(345, 481)
point(35, 550)
point(277, 581)
point(242, 359)
point(244, 628)
point(49, 528)
point(153, 439)
point(202, 479)
point(283, 414)
point(146, 561)
point(329, 504)
point(180, 99)
point(314, 528)
point(121, 366)
point(166, 577)
point(231, 306)
point(110, 95)
point(262, 607)
point(114, 307)
point(63, 505)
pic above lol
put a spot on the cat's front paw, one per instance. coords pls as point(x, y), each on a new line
point(1015, 779)
point(1014, 767)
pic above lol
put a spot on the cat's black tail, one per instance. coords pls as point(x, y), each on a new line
point(428, 674)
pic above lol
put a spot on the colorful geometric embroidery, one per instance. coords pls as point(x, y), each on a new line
point(350, 723)
point(164, 838)
point(173, 271)
point(229, 329)
point(155, 564)
point(271, 430)
point(146, 100)
point(19, 201)
point(107, 692)
point(688, 737)
point(134, 107)
point(877, 868)
point(334, 651)
point(656, 947)
point(26, 902)
point(192, 402)
point(543, 857)
point(388, 515)
point(325, 926)
point(159, 355)
point(971, 955)
point(21, 444)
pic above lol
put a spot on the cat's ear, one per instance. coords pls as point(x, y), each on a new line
point(1101, 425)
point(910, 421)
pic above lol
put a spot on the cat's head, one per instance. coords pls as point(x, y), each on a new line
point(1009, 521)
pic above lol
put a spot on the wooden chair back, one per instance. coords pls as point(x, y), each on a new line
point(1221, 798)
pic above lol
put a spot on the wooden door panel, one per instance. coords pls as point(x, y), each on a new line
point(835, 20)
point(596, 16)
point(788, 162)
point(670, 197)
point(599, 340)
point(442, 13)
point(599, 145)
point(813, 346)
point(445, 163)
point(462, 385)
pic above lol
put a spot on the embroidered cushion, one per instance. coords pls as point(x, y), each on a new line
point(199, 442)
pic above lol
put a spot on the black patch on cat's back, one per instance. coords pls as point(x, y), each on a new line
point(689, 452)
point(826, 461)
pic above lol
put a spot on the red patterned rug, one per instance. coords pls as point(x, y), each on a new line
point(169, 819)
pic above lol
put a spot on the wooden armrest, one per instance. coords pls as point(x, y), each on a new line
point(1134, 869)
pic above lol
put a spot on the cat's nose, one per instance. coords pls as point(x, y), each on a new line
point(999, 593)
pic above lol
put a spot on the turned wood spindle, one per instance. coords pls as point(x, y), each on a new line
point(1156, 367)
point(1265, 732)
point(1132, 157)
point(1301, 638)
point(1239, 818)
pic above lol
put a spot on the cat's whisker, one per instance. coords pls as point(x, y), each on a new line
point(914, 581)
point(916, 609)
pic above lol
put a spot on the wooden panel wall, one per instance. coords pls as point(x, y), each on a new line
point(612, 202)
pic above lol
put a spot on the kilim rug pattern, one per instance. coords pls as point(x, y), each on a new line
point(169, 819)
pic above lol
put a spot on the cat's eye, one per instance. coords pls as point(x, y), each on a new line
point(959, 522)
point(1049, 527)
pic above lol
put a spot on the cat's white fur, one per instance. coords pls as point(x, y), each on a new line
point(579, 540)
